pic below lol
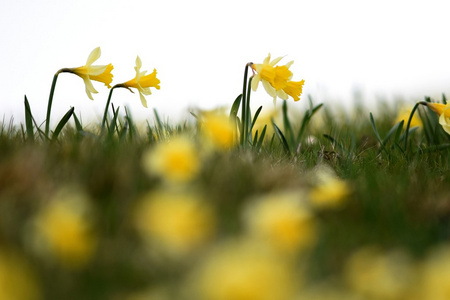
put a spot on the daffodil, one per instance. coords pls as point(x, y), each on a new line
point(217, 130)
point(174, 222)
point(89, 72)
point(142, 82)
point(282, 221)
point(276, 79)
point(243, 271)
point(404, 115)
point(443, 110)
point(175, 161)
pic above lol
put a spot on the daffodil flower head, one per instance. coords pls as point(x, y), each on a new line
point(404, 114)
point(443, 111)
point(143, 82)
point(89, 72)
point(276, 79)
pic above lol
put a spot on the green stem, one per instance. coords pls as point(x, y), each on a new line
point(105, 114)
point(50, 99)
point(409, 123)
point(245, 106)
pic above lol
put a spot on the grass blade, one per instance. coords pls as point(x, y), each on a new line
point(283, 140)
point(28, 120)
point(62, 123)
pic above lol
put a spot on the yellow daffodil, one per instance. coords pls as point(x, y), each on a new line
point(174, 222)
point(404, 114)
point(63, 229)
point(281, 221)
point(217, 130)
point(276, 79)
point(373, 274)
point(329, 191)
point(243, 271)
point(17, 279)
point(176, 160)
point(142, 82)
point(89, 72)
point(443, 110)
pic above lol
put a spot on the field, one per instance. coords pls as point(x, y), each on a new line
point(272, 204)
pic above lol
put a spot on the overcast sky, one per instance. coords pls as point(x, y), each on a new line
point(200, 47)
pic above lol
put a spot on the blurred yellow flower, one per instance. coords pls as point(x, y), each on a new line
point(282, 221)
point(276, 79)
point(404, 114)
point(435, 275)
point(142, 82)
point(218, 130)
point(329, 191)
point(17, 279)
point(243, 271)
point(89, 72)
point(63, 228)
point(265, 118)
point(377, 275)
point(177, 222)
point(176, 160)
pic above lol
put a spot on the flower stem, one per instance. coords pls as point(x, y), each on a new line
point(50, 99)
point(409, 123)
point(245, 108)
point(105, 114)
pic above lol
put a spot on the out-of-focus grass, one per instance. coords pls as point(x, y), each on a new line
point(395, 201)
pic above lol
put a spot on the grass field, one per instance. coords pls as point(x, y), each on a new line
point(272, 204)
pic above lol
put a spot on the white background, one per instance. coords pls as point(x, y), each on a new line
point(200, 47)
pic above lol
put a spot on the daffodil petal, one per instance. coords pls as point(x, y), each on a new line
point(269, 88)
point(143, 100)
point(97, 70)
point(275, 61)
point(95, 54)
point(255, 81)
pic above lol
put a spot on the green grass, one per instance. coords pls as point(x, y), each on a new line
point(400, 198)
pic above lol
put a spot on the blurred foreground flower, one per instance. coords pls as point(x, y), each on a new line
point(142, 82)
point(176, 160)
point(175, 222)
point(443, 110)
point(243, 271)
point(277, 79)
point(218, 130)
point(404, 114)
point(17, 280)
point(63, 229)
point(435, 275)
point(384, 276)
point(282, 221)
point(89, 72)
point(329, 190)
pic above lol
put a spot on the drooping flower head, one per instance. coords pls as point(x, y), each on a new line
point(276, 79)
point(89, 72)
point(443, 110)
point(142, 82)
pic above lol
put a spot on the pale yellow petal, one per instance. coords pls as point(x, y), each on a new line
point(143, 100)
point(96, 70)
point(95, 54)
point(267, 59)
point(89, 87)
point(138, 64)
point(282, 94)
point(269, 88)
point(255, 81)
point(445, 121)
point(275, 61)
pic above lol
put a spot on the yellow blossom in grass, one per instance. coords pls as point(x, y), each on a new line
point(63, 229)
point(175, 222)
point(218, 130)
point(444, 114)
point(385, 276)
point(176, 160)
point(282, 221)
point(276, 79)
point(329, 191)
point(404, 114)
point(243, 271)
point(17, 279)
point(89, 72)
point(142, 82)
point(435, 275)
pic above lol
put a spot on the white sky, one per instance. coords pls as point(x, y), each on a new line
point(200, 48)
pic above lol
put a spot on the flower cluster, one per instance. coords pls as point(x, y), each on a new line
point(277, 79)
point(102, 73)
